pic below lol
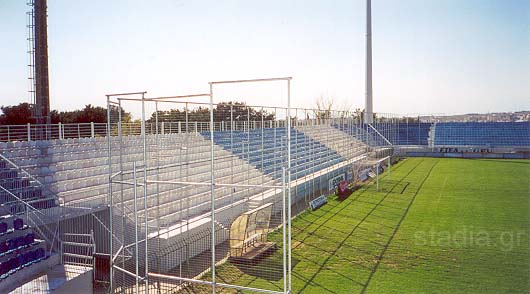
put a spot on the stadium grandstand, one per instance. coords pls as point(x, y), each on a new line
point(228, 197)
point(61, 211)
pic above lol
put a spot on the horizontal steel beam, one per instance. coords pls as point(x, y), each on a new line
point(125, 94)
point(176, 97)
point(252, 80)
point(215, 184)
point(174, 278)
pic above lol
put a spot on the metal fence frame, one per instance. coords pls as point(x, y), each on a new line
point(144, 182)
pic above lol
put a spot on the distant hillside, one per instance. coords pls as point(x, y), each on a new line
point(482, 117)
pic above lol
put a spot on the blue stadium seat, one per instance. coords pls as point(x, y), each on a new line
point(4, 268)
point(3, 247)
point(30, 238)
point(22, 259)
point(30, 256)
point(40, 253)
point(11, 244)
point(14, 264)
point(266, 149)
point(18, 224)
point(487, 134)
point(21, 187)
point(20, 241)
point(3, 227)
point(397, 133)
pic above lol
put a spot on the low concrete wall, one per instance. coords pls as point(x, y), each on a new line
point(466, 152)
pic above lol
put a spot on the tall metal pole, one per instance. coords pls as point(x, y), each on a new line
point(157, 191)
point(368, 118)
point(377, 176)
point(111, 205)
point(248, 151)
point(120, 149)
point(212, 188)
point(186, 108)
point(262, 149)
point(146, 214)
point(232, 150)
point(289, 178)
point(42, 91)
point(136, 258)
point(284, 234)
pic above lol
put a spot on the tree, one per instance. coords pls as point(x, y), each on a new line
point(23, 114)
point(323, 107)
point(224, 111)
point(17, 114)
point(86, 115)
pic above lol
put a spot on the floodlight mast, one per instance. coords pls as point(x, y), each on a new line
point(368, 117)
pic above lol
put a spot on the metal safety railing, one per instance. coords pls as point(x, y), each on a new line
point(47, 228)
point(33, 132)
point(78, 249)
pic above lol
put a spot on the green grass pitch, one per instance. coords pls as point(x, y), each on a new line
point(435, 226)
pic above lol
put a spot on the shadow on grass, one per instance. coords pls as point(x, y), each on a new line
point(269, 268)
point(388, 188)
point(345, 240)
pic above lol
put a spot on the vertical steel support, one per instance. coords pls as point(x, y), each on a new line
point(377, 177)
point(186, 109)
point(289, 177)
point(275, 150)
point(262, 147)
point(389, 165)
point(368, 119)
point(284, 249)
point(135, 185)
point(157, 217)
point(146, 214)
point(232, 150)
point(111, 204)
point(212, 188)
point(248, 123)
point(248, 152)
point(120, 149)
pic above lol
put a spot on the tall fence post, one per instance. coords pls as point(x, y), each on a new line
point(60, 131)
point(162, 128)
point(92, 132)
point(29, 132)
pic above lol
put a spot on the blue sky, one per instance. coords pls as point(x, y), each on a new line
point(430, 56)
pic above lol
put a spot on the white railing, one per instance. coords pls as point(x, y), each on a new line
point(78, 249)
point(46, 226)
point(38, 221)
point(35, 132)
point(31, 177)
